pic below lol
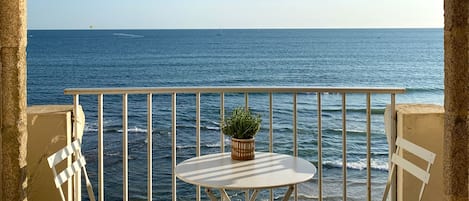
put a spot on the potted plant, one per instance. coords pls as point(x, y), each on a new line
point(242, 126)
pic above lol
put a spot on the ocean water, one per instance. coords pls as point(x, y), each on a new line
point(409, 58)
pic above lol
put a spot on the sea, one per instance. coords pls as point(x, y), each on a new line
point(407, 58)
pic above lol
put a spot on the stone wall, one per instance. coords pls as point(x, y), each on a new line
point(13, 100)
point(1, 153)
point(456, 45)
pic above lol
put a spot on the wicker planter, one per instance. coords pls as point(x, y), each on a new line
point(242, 149)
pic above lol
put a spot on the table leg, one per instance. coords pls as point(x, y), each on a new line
point(254, 195)
point(224, 195)
point(288, 193)
point(210, 194)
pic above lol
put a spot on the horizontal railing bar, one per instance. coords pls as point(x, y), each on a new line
point(234, 89)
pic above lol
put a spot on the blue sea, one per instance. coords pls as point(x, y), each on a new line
point(408, 58)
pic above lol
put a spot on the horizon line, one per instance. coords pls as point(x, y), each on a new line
point(228, 28)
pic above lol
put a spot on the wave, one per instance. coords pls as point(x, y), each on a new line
point(349, 131)
point(353, 131)
point(303, 196)
point(126, 35)
point(356, 110)
point(88, 129)
point(358, 165)
point(214, 145)
point(212, 128)
point(134, 129)
point(202, 127)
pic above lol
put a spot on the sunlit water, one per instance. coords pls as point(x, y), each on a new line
point(409, 58)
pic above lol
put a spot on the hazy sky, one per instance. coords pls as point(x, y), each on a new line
point(175, 14)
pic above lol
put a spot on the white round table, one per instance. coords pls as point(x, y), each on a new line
point(267, 170)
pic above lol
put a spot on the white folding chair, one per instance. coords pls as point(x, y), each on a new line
point(396, 160)
point(67, 173)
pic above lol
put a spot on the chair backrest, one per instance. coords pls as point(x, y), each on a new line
point(67, 173)
point(397, 160)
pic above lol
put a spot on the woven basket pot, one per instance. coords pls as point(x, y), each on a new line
point(242, 149)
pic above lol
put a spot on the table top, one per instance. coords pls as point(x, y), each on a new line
point(267, 170)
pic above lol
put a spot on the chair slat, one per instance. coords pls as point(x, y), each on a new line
point(411, 168)
point(64, 153)
point(68, 172)
point(416, 150)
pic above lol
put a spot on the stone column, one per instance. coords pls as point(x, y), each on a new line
point(13, 100)
point(1, 112)
point(456, 140)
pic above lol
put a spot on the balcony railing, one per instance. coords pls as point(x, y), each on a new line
point(366, 93)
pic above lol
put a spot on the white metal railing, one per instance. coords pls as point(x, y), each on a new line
point(100, 92)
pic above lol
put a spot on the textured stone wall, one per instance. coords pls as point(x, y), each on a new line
point(1, 101)
point(456, 156)
point(13, 100)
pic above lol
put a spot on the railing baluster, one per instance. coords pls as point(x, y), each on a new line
point(319, 147)
point(368, 145)
point(197, 136)
point(222, 121)
point(246, 101)
point(393, 144)
point(149, 146)
point(173, 145)
point(295, 134)
point(246, 107)
point(197, 124)
point(125, 154)
point(271, 130)
point(100, 149)
point(77, 177)
point(344, 147)
point(271, 135)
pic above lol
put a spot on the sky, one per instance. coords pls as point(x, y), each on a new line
point(233, 14)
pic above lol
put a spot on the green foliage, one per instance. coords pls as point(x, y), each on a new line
point(242, 124)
